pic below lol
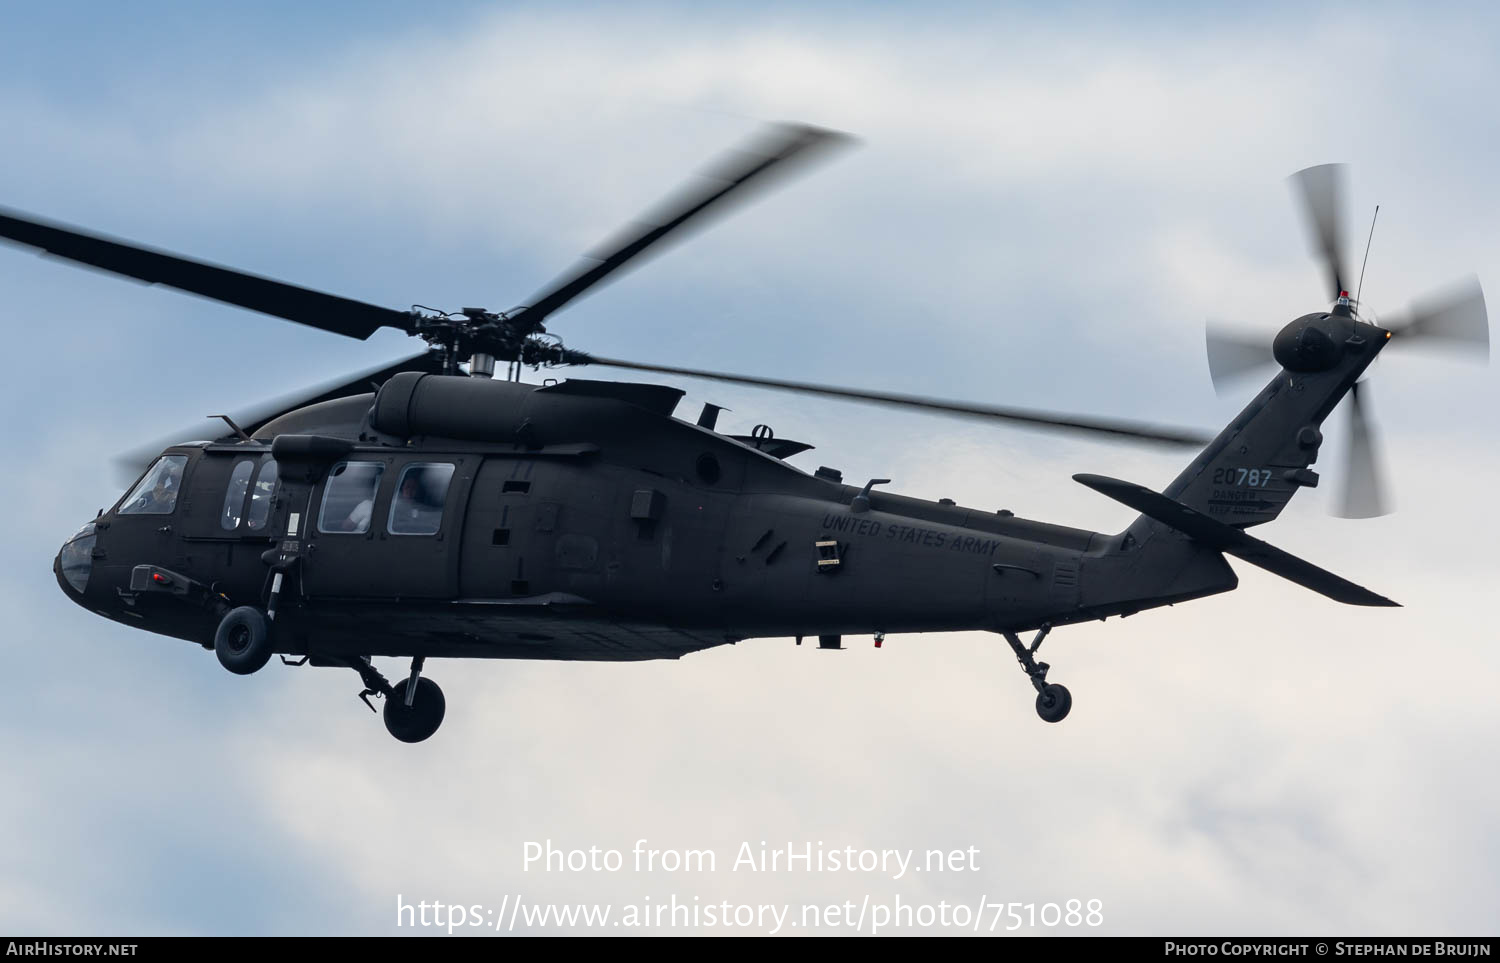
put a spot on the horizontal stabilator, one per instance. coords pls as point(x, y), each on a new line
point(1232, 541)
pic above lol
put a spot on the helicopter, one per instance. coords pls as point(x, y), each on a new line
point(430, 509)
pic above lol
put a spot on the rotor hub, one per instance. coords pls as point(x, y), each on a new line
point(1313, 342)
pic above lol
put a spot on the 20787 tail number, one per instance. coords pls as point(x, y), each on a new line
point(1243, 477)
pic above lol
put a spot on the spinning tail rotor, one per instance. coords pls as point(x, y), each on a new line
point(1453, 320)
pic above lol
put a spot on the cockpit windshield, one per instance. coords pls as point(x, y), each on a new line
point(156, 492)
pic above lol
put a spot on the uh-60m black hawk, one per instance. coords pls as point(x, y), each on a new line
point(454, 514)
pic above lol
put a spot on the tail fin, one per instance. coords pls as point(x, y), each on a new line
point(1244, 477)
point(1255, 465)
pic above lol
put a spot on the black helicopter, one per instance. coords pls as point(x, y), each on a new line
point(427, 510)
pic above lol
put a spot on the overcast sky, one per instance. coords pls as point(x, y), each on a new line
point(1043, 210)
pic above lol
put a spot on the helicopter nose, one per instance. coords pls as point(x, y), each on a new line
point(75, 561)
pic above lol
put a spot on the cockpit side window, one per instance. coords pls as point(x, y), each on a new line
point(417, 508)
point(349, 498)
point(234, 497)
point(156, 492)
point(260, 496)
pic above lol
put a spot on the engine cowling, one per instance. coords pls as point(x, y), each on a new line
point(413, 404)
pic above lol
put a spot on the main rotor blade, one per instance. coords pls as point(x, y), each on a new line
point(355, 319)
point(257, 416)
point(756, 165)
point(1364, 488)
point(1232, 353)
point(1128, 430)
point(1454, 318)
point(1322, 190)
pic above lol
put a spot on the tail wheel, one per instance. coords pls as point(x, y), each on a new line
point(1053, 702)
point(415, 722)
point(243, 640)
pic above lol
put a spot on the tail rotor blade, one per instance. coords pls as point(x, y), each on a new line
point(1232, 354)
point(1364, 490)
point(1322, 190)
point(1454, 318)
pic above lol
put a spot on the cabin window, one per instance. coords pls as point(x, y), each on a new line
point(417, 508)
point(260, 496)
point(156, 492)
point(234, 498)
point(349, 497)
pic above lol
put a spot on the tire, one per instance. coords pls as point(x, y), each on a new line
point(419, 720)
point(1053, 703)
point(243, 640)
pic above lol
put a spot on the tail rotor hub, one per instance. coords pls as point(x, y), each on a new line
point(1323, 341)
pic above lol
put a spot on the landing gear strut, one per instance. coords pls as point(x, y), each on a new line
point(1052, 700)
point(414, 707)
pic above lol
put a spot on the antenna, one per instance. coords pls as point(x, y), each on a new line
point(1360, 289)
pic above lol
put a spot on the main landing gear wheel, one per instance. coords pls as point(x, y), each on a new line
point(415, 722)
point(1053, 701)
point(243, 640)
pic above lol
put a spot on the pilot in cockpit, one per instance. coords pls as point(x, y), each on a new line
point(161, 497)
